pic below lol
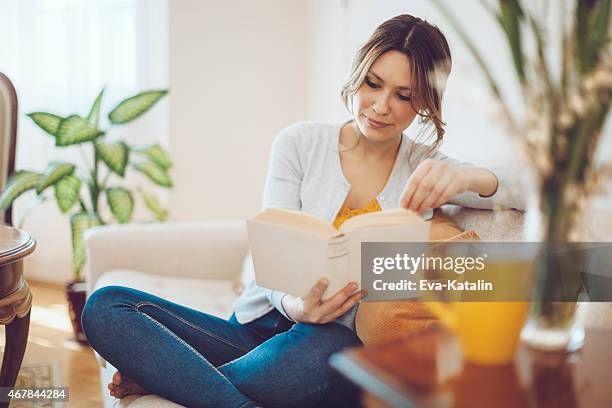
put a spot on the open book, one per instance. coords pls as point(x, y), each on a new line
point(292, 250)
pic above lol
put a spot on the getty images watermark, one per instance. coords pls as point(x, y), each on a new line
point(412, 264)
point(484, 271)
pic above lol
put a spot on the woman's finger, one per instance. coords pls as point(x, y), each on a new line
point(446, 195)
point(338, 299)
point(316, 293)
point(424, 189)
point(413, 183)
point(345, 307)
point(436, 192)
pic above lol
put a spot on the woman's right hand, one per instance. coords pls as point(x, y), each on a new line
point(312, 309)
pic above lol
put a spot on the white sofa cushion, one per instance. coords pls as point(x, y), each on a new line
point(214, 296)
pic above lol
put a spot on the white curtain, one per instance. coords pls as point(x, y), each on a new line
point(59, 54)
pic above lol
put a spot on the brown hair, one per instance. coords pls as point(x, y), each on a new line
point(429, 54)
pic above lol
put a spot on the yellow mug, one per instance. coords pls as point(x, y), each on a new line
point(489, 331)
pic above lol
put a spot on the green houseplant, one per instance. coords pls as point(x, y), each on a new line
point(565, 103)
point(80, 191)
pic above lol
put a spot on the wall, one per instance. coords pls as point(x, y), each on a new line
point(238, 74)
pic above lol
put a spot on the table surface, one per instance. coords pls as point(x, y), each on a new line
point(428, 370)
point(14, 244)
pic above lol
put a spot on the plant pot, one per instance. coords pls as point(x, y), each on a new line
point(76, 296)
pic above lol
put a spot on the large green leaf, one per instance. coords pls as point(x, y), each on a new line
point(510, 19)
point(79, 223)
point(156, 173)
point(156, 154)
point(67, 192)
point(94, 114)
point(54, 172)
point(74, 129)
point(121, 203)
point(20, 182)
point(46, 121)
point(153, 204)
point(114, 155)
point(133, 107)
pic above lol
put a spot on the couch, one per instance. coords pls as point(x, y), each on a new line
point(198, 264)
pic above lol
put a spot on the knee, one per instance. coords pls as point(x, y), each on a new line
point(319, 342)
point(97, 310)
point(332, 337)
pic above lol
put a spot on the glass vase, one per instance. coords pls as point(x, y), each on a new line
point(553, 324)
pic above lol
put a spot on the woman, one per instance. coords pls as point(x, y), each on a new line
point(273, 351)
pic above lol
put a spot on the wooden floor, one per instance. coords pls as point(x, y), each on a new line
point(51, 341)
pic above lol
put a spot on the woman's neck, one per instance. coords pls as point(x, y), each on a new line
point(364, 147)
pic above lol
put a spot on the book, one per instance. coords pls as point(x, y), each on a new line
point(292, 250)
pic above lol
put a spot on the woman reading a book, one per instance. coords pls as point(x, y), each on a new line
point(274, 349)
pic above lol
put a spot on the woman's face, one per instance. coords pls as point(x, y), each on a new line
point(382, 105)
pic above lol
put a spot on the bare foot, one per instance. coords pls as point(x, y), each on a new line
point(123, 386)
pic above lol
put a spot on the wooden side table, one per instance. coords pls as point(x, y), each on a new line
point(15, 300)
point(427, 370)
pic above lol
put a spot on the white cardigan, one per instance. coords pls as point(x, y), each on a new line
point(305, 174)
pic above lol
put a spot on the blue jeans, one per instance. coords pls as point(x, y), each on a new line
point(199, 360)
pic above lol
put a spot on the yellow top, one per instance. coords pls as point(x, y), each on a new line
point(345, 213)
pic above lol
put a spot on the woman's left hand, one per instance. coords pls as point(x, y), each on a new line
point(432, 184)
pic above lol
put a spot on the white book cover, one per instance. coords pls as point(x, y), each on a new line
point(292, 250)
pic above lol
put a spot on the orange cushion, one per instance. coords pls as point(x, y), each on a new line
point(384, 321)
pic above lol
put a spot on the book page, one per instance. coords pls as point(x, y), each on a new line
point(395, 216)
point(297, 220)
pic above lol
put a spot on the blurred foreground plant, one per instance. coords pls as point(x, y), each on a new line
point(565, 106)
